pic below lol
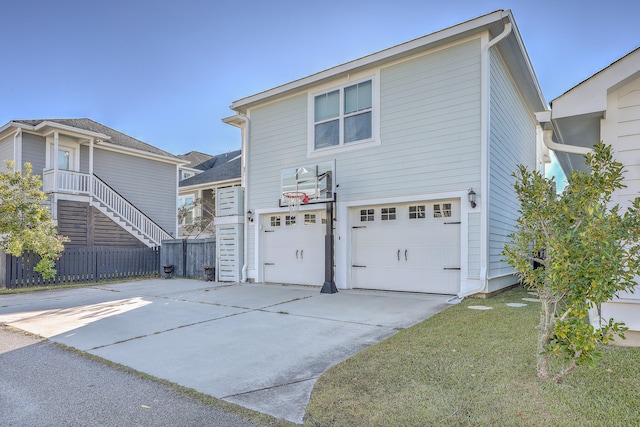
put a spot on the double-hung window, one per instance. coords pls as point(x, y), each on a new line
point(343, 116)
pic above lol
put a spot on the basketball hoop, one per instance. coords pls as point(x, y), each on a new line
point(294, 198)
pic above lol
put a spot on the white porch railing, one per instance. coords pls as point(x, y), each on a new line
point(68, 182)
point(63, 181)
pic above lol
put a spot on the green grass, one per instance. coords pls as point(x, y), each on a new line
point(467, 367)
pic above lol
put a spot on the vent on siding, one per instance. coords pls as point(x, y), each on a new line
point(229, 252)
point(229, 201)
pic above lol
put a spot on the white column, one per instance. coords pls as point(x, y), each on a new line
point(55, 162)
point(91, 167)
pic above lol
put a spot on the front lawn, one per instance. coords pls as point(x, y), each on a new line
point(466, 367)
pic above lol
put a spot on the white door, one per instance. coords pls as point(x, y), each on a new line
point(407, 247)
point(294, 248)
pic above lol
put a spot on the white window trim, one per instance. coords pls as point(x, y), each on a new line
point(67, 144)
point(356, 145)
point(183, 199)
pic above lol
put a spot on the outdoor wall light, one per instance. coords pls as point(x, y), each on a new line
point(472, 198)
point(250, 215)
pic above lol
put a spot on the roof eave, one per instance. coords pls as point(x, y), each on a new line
point(432, 40)
point(142, 153)
point(205, 185)
point(47, 124)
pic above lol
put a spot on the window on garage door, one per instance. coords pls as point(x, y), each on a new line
point(417, 212)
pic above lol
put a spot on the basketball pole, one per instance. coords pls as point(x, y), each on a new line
point(329, 286)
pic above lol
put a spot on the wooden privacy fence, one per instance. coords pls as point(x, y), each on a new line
point(86, 264)
point(188, 256)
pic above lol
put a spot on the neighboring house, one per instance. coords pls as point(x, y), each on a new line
point(409, 137)
point(105, 188)
point(605, 107)
point(200, 180)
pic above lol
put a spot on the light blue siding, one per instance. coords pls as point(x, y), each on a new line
point(278, 141)
point(512, 141)
point(429, 129)
point(34, 151)
point(84, 159)
point(430, 124)
point(149, 184)
point(6, 151)
point(430, 133)
point(474, 245)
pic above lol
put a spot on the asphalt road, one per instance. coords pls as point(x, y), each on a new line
point(43, 385)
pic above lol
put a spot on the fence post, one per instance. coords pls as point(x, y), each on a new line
point(7, 271)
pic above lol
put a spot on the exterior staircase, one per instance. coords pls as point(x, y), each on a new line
point(106, 200)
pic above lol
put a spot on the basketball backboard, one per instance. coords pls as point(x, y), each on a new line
point(315, 180)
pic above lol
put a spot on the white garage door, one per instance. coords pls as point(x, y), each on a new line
point(294, 248)
point(407, 247)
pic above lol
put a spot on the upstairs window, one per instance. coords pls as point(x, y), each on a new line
point(343, 116)
point(64, 157)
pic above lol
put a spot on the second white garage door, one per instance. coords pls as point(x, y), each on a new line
point(407, 247)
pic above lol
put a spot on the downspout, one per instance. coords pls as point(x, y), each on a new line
point(497, 39)
point(245, 179)
point(547, 138)
point(484, 275)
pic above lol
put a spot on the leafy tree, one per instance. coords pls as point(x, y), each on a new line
point(25, 223)
point(200, 223)
point(576, 250)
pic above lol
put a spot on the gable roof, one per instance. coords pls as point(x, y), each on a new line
point(223, 167)
point(576, 114)
point(590, 95)
point(197, 160)
point(98, 130)
point(511, 48)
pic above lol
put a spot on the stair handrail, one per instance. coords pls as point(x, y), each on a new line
point(137, 219)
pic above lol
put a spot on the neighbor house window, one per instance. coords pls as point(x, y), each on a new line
point(344, 116)
point(186, 202)
point(186, 175)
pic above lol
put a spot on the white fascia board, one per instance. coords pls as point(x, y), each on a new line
point(11, 127)
point(590, 96)
point(208, 185)
point(76, 131)
point(189, 169)
point(375, 59)
point(234, 120)
point(139, 153)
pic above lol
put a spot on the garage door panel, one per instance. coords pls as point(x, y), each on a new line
point(293, 253)
point(418, 253)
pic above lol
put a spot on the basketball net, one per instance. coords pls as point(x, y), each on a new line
point(294, 198)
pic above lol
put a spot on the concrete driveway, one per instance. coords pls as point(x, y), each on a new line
point(262, 346)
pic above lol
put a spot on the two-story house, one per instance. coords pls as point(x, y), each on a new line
point(413, 148)
point(105, 188)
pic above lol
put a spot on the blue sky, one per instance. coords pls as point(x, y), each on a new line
point(166, 71)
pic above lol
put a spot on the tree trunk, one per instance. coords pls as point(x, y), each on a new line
point(545, 328)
